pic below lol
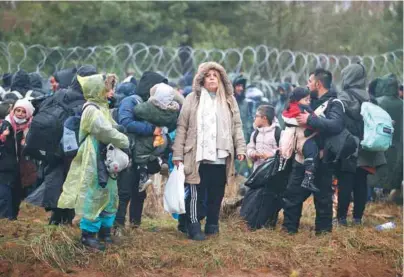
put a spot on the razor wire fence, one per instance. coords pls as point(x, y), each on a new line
point(263, 66)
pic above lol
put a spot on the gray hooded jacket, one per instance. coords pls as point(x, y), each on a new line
point(353, 94)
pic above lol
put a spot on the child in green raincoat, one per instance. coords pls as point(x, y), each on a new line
point(95, 204)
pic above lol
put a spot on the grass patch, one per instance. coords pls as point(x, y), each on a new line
point(157, 249)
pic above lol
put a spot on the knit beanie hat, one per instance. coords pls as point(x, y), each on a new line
point(298, 94)
point(26, 105)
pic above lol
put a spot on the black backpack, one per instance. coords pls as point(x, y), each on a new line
point(46, 130)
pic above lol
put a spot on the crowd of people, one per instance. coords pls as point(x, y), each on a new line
point(56, 135)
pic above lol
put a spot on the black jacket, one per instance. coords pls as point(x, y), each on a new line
point(9, 168)
point(333, 122)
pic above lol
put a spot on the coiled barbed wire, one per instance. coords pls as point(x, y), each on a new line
point(263, 66)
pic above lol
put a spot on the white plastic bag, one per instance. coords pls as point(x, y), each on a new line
point(116, 160)
point(174, 195)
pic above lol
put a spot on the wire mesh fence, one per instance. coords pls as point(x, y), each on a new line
point(262, 65)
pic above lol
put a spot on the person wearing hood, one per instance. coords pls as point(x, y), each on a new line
point(329, 121)
point(13, 131)
point(128, 180)
point(390, 175)
point(352, 173)
point(245, 107)
point(63, 78)
point(161, 110)
point(210, 111)
point(95, 203)
point(7, 78)
point(19, 86)
point(124, 90)
point(21, 82)
point(36, 90)
point(246, 113)
point(56, 165)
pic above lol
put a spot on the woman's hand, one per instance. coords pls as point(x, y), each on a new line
point(241, 157)
point(177, 163)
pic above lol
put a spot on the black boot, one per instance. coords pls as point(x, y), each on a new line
point(89, 239)
point(104, 235)
point(194, 232)
point(308, 182)
point(310, 170)
point(182, 223)
point(55, 218)
point(211, 229)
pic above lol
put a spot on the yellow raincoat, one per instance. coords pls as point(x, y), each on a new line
point(81, 190)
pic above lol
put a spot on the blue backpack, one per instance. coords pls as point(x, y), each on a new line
point(70, 140)
point(378, 128)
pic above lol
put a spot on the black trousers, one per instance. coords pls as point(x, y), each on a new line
point(349, 182)
point(128, 190)
point(295, 195)
point(206, 197)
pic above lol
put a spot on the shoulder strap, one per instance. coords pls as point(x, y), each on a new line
point(339, 101)
point(278, 131)
point(89, 104)
point(256, 132)
point(84, 107)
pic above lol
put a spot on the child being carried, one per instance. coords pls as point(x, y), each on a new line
point(299, 102)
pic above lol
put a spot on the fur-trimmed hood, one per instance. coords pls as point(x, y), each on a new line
point(203, 69)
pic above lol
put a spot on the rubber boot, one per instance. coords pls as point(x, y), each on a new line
point(89, 239)
point(194, 232)
point(104, 235)
point(211, 229)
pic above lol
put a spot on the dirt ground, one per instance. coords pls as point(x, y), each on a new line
point(31, 248)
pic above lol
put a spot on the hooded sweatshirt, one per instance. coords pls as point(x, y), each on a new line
point(83, 71)
point(21, 82)
point(65, 77)
point(353, 94)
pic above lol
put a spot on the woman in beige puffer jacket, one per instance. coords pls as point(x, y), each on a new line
point(208, 137)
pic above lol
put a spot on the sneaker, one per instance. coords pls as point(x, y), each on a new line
point(357, 221)
point(143, 186)
point(340, 222)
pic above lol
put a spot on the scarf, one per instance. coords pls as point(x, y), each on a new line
point(213, 115)
point(18, 124)
point(18, 127)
